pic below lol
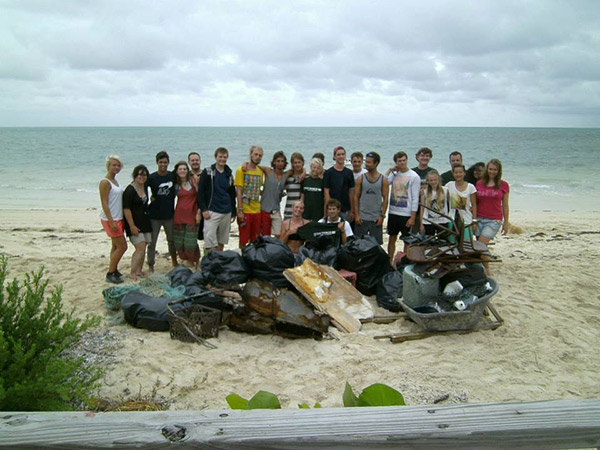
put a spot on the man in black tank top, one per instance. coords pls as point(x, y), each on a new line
point(371, 200)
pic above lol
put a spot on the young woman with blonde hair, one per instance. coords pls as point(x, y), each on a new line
point(434, 196)
point(111, 216)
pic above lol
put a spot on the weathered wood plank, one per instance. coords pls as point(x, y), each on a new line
point(548, 425)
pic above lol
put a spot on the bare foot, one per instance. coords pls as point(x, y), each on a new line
point(133, 276)
point(142, 274)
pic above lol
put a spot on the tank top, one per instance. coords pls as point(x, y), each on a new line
point(187, 206)
point(271, 194)
point(371, 198)
point(115, 201)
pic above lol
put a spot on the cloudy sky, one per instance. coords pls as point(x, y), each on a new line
point(299, 63)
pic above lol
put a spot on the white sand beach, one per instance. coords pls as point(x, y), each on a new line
point(549, 298)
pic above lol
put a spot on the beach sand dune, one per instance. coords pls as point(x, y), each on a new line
point(549, 298)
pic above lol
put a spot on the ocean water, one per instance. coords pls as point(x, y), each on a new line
point(48, 168)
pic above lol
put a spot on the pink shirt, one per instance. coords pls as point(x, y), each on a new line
point(185, 211)
point(489, 200)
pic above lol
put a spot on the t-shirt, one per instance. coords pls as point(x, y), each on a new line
point(358, 174)
point(489, 200)
point(314, 202)
point(221, 201)
point(433, 216)
point(294, 190)
point(405, 190)
point(422, 173)
point(322, 235)
point(187, 206)
point(347, 228)
point(163, 196)
point(139, 210)
point(272, 192)
point(447, 177)
point(461, 201)
point(250, 181)
point(339, 183)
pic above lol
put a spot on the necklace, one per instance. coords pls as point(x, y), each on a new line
point(292, 222)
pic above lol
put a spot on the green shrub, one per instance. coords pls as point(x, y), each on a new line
point(34, 332)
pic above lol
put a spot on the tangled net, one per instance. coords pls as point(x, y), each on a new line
point(155, 286)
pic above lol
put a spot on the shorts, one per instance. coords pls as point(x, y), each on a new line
point(251, 229)
point(141, 237)
point(109, 231)
point(270, 223)
point(488, 228)
point(216, 229)
point(397, 225)
point(368, 228)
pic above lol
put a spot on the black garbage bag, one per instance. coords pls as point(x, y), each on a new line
point(327, 256)
point(143, 311)
point(367, 259)
point(298, 259)
point(472, 275)
point(224, 269)
point(151, 313)
point(267, 258)
point(389, 290)
point(179, 275)
point(195, 284)
point(196, 279)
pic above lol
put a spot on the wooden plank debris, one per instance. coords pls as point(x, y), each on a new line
point(330, 293)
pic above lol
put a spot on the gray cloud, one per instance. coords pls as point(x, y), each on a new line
point(286, 63)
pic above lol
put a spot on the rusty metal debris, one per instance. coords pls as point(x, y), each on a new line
point(266, 309)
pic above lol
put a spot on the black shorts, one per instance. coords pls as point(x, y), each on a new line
point(397, 225)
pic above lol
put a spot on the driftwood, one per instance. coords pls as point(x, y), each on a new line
point(384, 319)
point(512, 426)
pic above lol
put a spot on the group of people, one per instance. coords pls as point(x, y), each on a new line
point(177, 201)
point(193, 204)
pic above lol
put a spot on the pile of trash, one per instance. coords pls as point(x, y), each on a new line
point(268, 289)
point(252, 290)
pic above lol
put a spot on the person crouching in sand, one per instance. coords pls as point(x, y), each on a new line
point(334, 208)
point(289, 228)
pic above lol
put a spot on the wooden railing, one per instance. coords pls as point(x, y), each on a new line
point(534, 425)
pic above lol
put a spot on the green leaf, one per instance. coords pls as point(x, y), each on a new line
point(379, 394)
point(264, 400)
point(351, 400)
point(236, 402)
point(317, 405)
point(303, 406)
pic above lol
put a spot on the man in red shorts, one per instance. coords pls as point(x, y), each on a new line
point(247, 187)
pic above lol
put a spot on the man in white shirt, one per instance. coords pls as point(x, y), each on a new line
point(404, 200)
point(333, 208)
point(357, 160)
